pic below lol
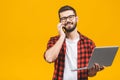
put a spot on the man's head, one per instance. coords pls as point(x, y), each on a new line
point(68, 17)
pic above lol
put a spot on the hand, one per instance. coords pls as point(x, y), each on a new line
point(60, 30)
point(95, 68)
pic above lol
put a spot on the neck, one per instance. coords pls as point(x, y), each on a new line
point(72, 35)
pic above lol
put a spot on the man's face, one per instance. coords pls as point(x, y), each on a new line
point(69, 19)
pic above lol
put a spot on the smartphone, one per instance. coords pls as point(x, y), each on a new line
point(63, 28)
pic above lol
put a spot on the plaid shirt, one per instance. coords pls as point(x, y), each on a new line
point(85, 48)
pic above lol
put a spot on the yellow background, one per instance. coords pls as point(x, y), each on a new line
point(26, 26)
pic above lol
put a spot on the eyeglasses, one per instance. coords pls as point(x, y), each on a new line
point(70, 17)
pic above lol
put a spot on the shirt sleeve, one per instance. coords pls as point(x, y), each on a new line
point(93, 45)
point(50, 43)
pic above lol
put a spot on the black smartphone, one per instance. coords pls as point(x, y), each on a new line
point(63, 28)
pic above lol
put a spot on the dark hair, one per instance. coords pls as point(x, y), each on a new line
point(65, 8)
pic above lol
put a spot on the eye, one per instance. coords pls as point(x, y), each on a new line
point(63, 18)
point(71, 17)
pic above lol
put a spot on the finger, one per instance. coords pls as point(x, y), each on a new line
point(59, 25)
point(93, 68)
point(97, 66)
point(102, 67)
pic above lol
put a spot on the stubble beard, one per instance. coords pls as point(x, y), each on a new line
point(71, 29)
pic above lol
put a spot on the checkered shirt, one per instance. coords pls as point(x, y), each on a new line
point(85, 48)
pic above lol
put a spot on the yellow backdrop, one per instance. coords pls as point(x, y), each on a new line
point(26, 25)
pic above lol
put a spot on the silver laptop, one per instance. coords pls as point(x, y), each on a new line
point(104, 56)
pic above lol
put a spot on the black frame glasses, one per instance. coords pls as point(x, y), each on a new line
point(70, 17)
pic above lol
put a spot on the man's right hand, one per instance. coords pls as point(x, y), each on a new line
point(60, 30)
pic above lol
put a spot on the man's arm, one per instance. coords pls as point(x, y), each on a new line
point(52, 53)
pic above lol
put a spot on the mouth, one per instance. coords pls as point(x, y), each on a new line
point(68, 24)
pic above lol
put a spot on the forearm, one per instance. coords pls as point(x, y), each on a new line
point(52, 53)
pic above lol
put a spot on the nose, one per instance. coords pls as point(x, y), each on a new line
point(67, 19)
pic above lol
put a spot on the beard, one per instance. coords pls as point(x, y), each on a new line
point(70, 29)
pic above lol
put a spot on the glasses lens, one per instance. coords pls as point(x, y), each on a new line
point(71, 17)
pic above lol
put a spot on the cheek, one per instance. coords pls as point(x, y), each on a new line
point(75, 21)
point(63, 23)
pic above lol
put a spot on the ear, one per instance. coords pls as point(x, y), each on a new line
point(76, 18)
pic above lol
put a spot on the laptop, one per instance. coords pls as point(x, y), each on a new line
point(104, 56)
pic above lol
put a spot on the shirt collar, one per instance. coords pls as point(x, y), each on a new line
point(81, 36)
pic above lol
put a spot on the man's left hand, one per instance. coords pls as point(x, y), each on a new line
point(95, 68)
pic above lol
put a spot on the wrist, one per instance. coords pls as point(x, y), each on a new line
point(62, 37)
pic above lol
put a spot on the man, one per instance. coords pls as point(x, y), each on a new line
point(70, 49)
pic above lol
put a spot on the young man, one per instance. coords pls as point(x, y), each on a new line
point(70, 49)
